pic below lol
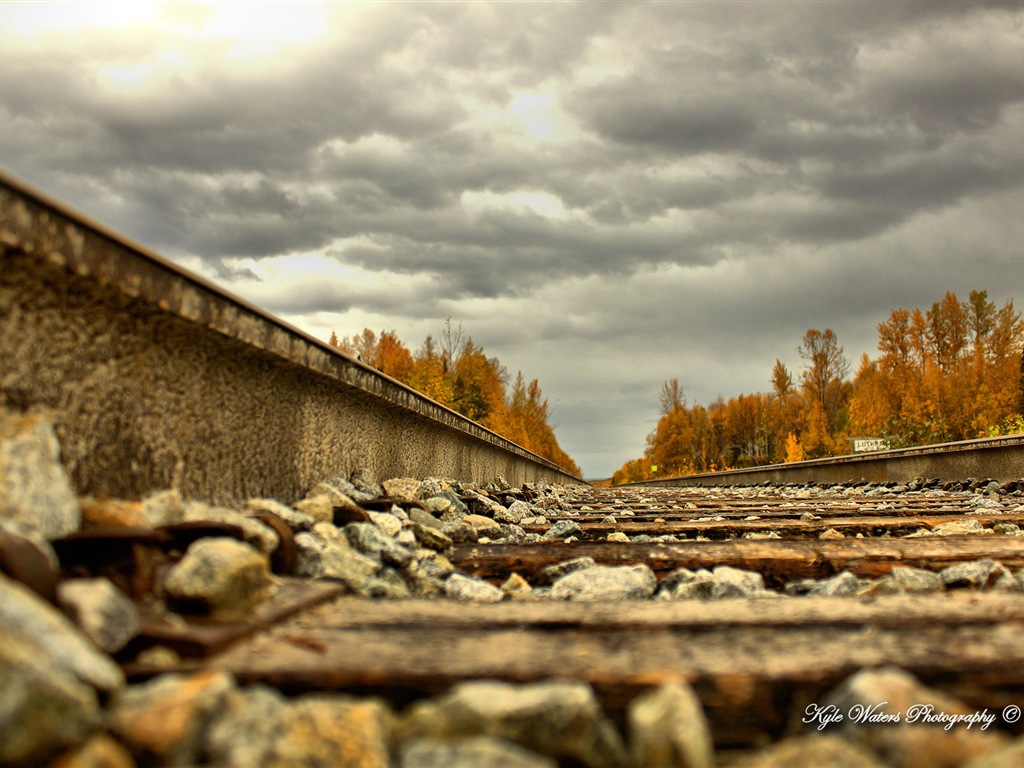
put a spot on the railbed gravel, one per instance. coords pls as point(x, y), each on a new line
point(66, 703)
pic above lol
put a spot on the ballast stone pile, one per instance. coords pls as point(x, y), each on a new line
point(66, 703)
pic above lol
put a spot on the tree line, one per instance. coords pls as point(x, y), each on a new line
point(952, 372)
point(455, 372)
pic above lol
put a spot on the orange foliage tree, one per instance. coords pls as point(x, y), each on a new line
point(456, 373)
point(951, 372)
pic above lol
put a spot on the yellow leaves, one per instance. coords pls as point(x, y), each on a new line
point(458, 374)
point(952, 372)
point(794, 451)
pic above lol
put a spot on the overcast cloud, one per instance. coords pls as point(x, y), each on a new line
point(605, 195)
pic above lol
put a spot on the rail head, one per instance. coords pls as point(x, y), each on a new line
point(998, 458)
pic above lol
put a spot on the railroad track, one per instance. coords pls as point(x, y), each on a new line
point(763, 598)
point(755, 662)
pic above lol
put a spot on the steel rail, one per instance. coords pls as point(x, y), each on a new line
point(998, 458)
point(156, 377)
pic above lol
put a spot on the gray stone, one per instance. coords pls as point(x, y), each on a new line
point(387, 583)
point(735, 582)
point(44, 707)
point(262, 537)
point(563, 529)
point(482, 505)
point(218, 575)
point(885, 585)
point(512, 534)
point(371, 540)
point(421, 581)
point(668, 729)
point(1007, 529)
point(258, 728)
point(812, 751)
point(345, 487)
point(388, 523)
point(470, 752)
point(557, 719)
point(438, 505)
point(423, 517)
point(606, 582)
point(514, 513)
point(684, 584)
point(841, 585)
point(319, 506)
point(36, 497)
point(501, 484)
point(460, 532)
point(959, 528)
point(163, 508)
point(297, 521)
point(458, 586)
point(246, 729)
point(407, 488)
point(917, 579)
point(484, 526)
point(515, 587)
point(909, 741)
point(61, 644)
point(978, 574)
point(618, 537)
point(434, 563)
point(430, 537)
point(554, 572)
point(432, 486)
point(325, 553)
point(101, 611)
point(406, 537)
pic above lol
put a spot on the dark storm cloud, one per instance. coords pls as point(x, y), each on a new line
point(661, 188)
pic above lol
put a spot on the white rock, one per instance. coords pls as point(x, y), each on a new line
point(101, 610)
point(36, 498)
point(60, 641)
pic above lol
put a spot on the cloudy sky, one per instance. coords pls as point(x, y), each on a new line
point(605, 195)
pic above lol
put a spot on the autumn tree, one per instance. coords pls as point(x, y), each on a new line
point(526, 424)
point(633, 471)
point(387, 353)
point(457, 373)
point(823, 375)
point(871, 406)
point(429, 374)
point(954, 371)
point(784, 409)
point(479, 386)
point(782, 381)
point(998, 385)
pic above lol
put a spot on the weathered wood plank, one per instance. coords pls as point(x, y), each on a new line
point(900, 611)
point(778, 560)
point(749, 664)
point(721, 529)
